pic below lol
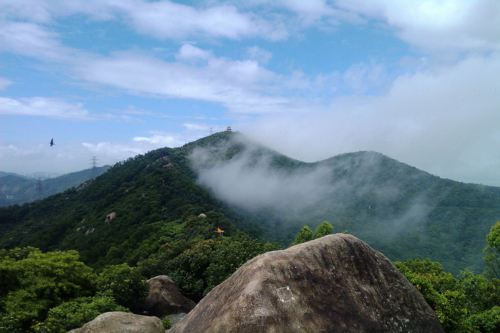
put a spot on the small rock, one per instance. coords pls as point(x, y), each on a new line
point(110, 217)
point(121, 322)
point(165, 298)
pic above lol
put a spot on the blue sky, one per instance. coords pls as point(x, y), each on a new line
point(416, 80)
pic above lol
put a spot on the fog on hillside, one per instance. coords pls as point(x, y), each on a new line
point(260, 180)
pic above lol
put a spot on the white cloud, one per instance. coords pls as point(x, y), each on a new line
point(196, 127)
point(460, 25)
point(114, 150)
point(429, 24)
point(240, 85)
point(191, 52)
point(111, 152)
point(310, 10)
point(42, 107)
point(159, 140)
point(31, 39)
point(161, 19)
point(4, 83)
point(443, 120)
point(67, 156)
point(41, 158)
point(259, 54)
point(167, 19)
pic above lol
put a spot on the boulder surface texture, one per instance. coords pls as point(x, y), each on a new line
point(165, 298)
point(336, 283)
point(121, 322)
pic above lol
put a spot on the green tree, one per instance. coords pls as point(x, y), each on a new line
point(304, 235)
point(487, 321)
point(464, 304)
point(75, 313)
point(38, 281)
point(207, 263)
point(125, 284)
point(492, 251)
point(323, 229)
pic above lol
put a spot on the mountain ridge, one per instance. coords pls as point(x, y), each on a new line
point(398, 209)
point(19, 189)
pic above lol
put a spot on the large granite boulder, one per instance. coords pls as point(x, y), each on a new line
point(165, 298)
point(333, 284)
point(121, 322)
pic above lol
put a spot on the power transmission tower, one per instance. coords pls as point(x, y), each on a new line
point(94, 162)
point(94, 165)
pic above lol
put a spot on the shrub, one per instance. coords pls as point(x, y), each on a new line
point(75, 313)
point(125, 284)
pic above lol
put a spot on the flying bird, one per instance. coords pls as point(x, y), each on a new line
point(52, 142)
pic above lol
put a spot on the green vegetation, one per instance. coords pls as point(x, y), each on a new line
point(124, 284)
point(55, 291)
point(492, 251)
point(165, 223)
point(34, 282)
point(166, 323)
point(323, 229)
point(469, 303)
point(75, 313)
point(397, 209)
point(305, 234)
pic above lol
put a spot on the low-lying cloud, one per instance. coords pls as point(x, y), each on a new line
point(247, 176)
point(251, 180)
point(442, 120)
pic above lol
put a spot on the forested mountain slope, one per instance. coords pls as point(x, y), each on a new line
point(240, 185)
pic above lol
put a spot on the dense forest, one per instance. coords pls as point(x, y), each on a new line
point(55, 291)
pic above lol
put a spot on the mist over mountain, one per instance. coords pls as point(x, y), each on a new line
point(402, 211)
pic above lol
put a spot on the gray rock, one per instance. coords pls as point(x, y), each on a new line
point(121, 322)
point(165, 298)
point(333, 284)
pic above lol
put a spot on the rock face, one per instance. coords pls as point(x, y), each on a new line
point(121, 322)
point(164, 298)
point(333, 284)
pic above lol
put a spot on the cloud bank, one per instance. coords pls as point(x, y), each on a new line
point(443, 120)
point(252, 178)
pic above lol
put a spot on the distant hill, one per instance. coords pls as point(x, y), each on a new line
point(241, 185)
point(17, 189)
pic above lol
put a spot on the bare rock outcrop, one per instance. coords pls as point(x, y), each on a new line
point(165, 298)
point(333, 284)
point(121, 322)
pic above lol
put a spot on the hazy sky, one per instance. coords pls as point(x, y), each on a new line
point(416, 80)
